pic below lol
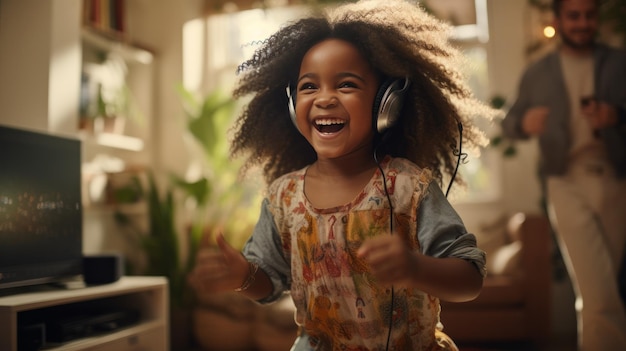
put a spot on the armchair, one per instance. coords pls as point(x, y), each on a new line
point(514, 304)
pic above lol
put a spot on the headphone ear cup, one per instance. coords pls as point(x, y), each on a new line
point(382, 91)
point(388, 103)
point(291, 104)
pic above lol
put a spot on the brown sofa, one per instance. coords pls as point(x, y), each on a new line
point(514, 305)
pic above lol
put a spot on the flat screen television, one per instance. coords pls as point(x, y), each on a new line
point(40, 208)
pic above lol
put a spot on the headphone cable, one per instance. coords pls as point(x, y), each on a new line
point(380, 168)
point(459, 153)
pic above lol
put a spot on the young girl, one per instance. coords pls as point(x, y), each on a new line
point(356, 118)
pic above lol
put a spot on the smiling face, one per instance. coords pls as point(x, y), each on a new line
point(577, 24)
point(334, 98)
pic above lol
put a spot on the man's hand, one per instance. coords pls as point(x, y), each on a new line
point(599, 114)
point(534, 121)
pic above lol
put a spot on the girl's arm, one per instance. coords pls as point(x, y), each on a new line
point(261, 273)
point(392, 262)
point(225, 269)
point(448, 264)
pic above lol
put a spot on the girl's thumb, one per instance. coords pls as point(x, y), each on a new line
point(225, 247)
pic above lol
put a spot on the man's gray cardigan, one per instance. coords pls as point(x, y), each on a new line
point(542, 84)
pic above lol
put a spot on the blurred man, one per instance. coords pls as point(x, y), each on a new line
point(574, 101)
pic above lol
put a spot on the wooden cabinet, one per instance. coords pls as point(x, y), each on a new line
point(145, 297)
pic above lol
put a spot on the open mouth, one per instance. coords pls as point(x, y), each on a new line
point(329, 125)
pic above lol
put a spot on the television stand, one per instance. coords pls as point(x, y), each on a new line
point(132, 314)
point(72, 284)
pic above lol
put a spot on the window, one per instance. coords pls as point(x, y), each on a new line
point(216, 45)
point(471, 35)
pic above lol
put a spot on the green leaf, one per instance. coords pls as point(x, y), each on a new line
point(509, 151)
point(121, 218)
point(497, 140)
point(200, 190)
point(209, 125)
point(190, 102)
point(498, 102)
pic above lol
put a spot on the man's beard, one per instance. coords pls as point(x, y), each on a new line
point(587, 44)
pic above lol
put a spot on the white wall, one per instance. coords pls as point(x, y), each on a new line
point(159, 25)
point(39, 82)
point(508, 39)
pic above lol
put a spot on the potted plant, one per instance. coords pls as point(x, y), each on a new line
point(215, 199)
point(227, 204)
point(218, 192)
point(106, 100)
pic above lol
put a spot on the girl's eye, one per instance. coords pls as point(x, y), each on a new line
point(347, 85)
point(306, 86)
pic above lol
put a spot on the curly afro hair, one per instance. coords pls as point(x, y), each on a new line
point(398, 39)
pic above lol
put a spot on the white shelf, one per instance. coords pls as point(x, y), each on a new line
point(146, 294)
point(127, 52)
point(112, 140)
point(147, 336)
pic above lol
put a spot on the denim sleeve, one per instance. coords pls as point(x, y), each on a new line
point(264, 247)
point(441, 232)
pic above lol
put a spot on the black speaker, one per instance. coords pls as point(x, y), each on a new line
point(102, 269)
point(387, 104)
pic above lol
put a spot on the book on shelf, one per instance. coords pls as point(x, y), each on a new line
point(106, 16)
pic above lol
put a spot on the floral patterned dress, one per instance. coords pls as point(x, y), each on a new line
point(312, 253)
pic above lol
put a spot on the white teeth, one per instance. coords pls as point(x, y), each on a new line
point(328, 122)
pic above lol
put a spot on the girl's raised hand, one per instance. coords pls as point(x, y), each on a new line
point(218, 269)
point(390, 260)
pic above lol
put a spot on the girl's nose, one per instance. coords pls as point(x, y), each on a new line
point(326, 100)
